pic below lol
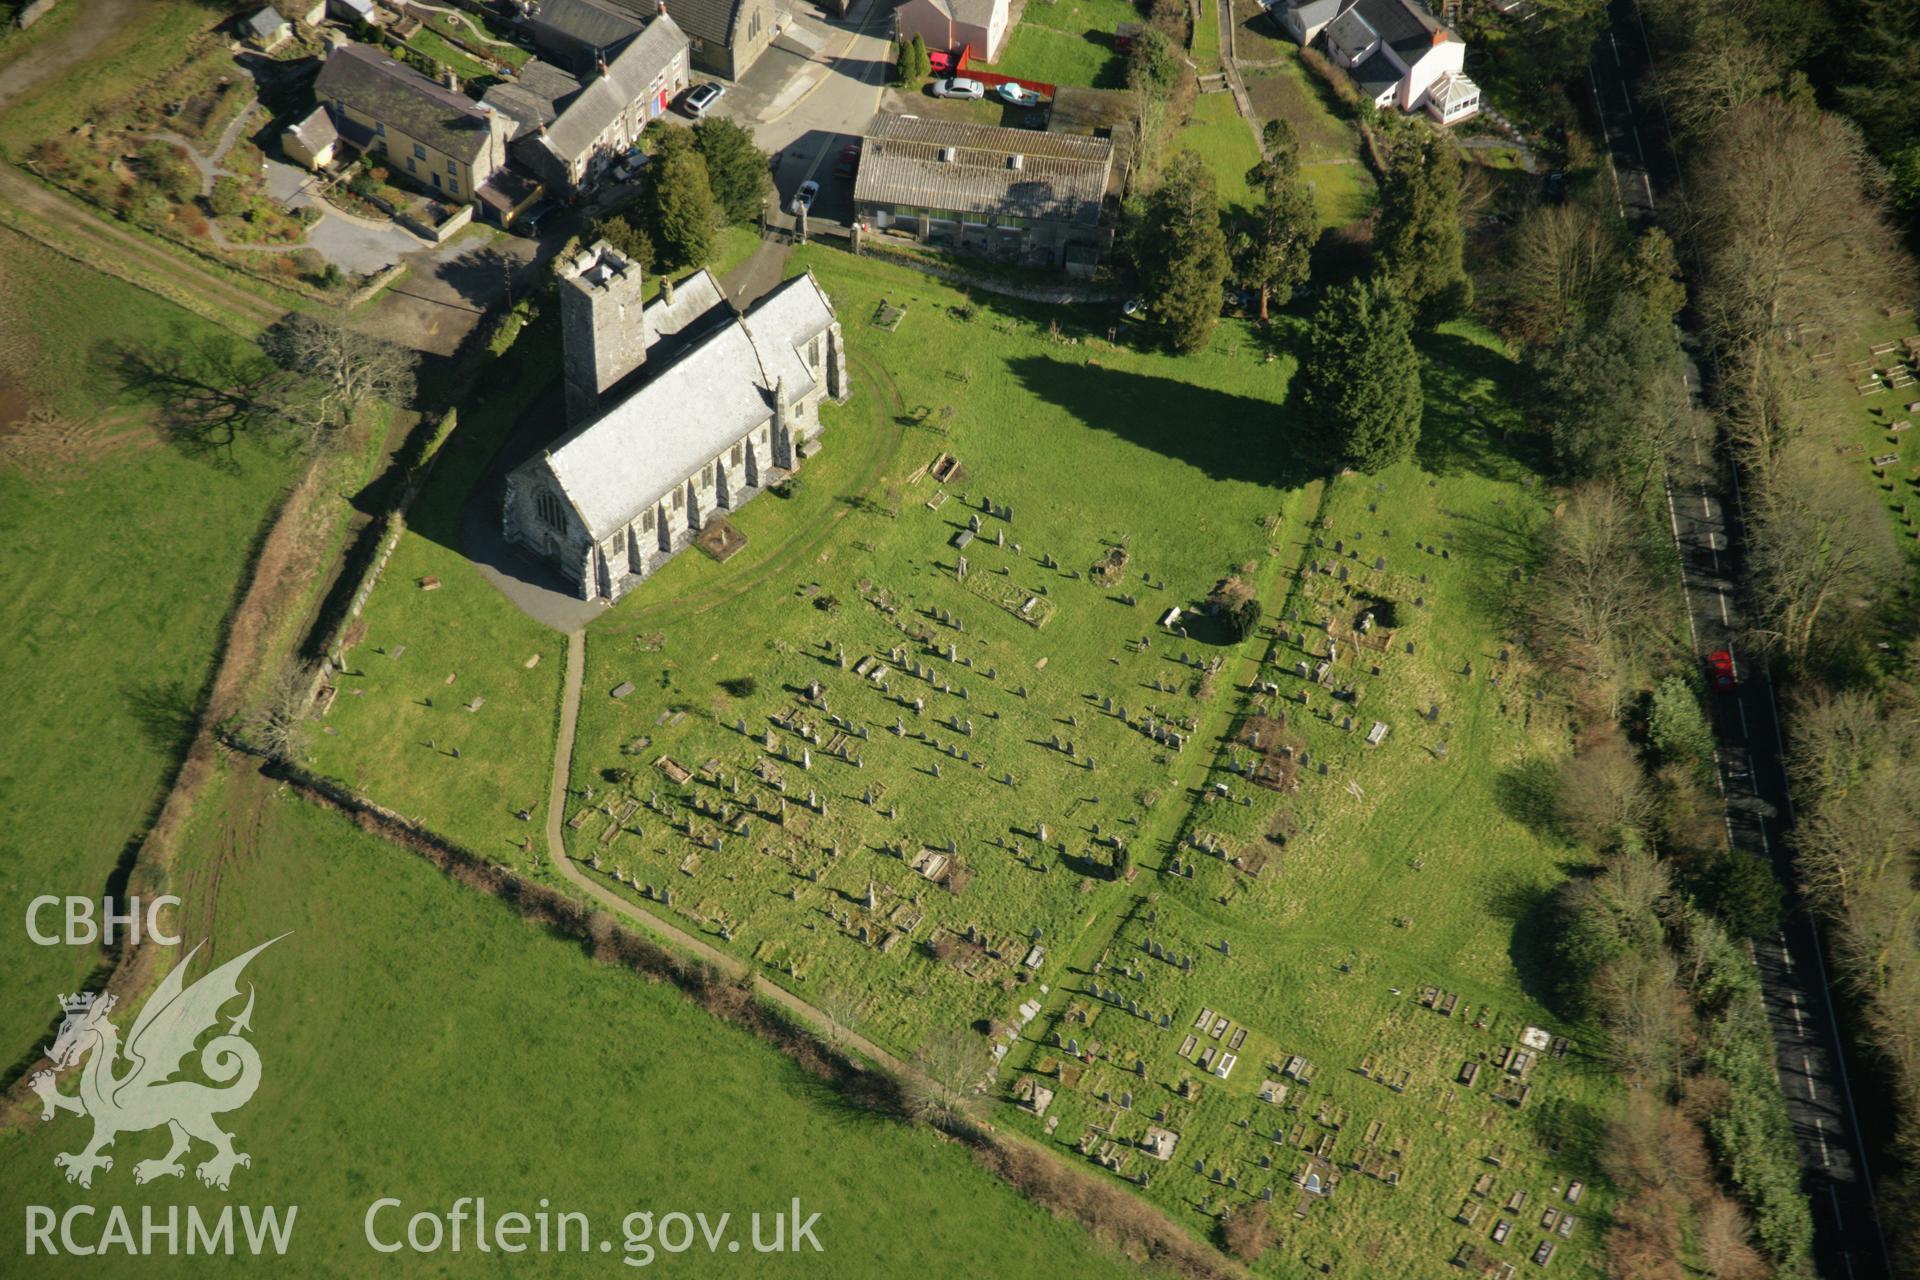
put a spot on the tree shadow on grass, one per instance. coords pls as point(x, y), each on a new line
point(209, 390)
point(1229, 437)
point(1473, 423)
point(1526, 792)
point(167, 713)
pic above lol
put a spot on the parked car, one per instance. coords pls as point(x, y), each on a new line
point(701, 97)
point(629, 168)
point(1720, 673)
point(849, 160)
point(528, 224)
point(1017, 95)
point(803, 198)
point(959, 87)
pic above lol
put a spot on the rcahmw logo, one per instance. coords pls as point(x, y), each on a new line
point(131, 1088)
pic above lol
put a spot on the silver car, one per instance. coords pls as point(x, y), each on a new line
point(959, 87)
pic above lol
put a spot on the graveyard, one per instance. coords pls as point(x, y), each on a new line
point(957, 741)
point(1871, 384)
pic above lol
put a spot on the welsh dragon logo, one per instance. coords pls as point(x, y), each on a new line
point(130, 1088)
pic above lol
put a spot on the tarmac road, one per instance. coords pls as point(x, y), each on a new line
point(1707, 519)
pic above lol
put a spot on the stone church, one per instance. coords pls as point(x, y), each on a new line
point(678, 409)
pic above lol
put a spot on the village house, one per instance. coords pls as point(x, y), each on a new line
point(1016, 194)
point(566, 131)
point(724, 37)
point(437, 136)
point(680, 410)
point(1397, 53)
point(950, 24)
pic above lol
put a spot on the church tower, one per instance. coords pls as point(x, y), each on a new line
point(603, 325)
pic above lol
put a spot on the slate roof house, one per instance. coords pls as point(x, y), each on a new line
point(1011, 193)
point(725, 36)
point(439, 137)
point(1397, 52)
point(680, 409)
point(949, 24)
point(566, 130)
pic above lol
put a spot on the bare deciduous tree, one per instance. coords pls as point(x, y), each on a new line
point(1819, 539)
point(337, 369)
point(1596, 597)
point(1557, 259)
point(942, 1088)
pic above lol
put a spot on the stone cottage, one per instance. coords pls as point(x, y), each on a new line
point(679, 409)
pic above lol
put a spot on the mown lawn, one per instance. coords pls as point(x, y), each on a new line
point(1069, 42)
point(1222, 138)
point(122, 557)
point(400, 730)
point(419, 1041)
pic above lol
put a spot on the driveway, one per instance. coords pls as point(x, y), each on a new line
point(358, 246)
point(449, 288)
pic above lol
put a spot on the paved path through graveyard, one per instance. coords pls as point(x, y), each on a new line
point(1707, 519)
point(680, 938)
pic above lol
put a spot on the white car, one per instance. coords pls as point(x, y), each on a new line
point(701, 97)
point(959, 87)
point(1017, 95)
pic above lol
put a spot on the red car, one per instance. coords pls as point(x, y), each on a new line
point(849, 160)
point(1720, 671)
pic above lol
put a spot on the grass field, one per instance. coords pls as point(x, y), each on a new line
point(122, 558)
point(1329, 146)
point(421, 1042)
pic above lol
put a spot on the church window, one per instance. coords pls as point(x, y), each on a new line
point(646, 521)
point(813, 354)
point(734, 457)
point(706, 476)
point(679, 498)
point(548, 506)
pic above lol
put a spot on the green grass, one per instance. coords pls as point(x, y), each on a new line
point(1053, 56)
point(1069, 42)
point(1344, 191)
point(420, 1041)
point(1222, 138)
point(1020, 401)
point(1404, 868)
point(1864, 423)
point(1206, 37)
point(398, 720)
point(435, 46)
point(122, 559)
point(1426, 871)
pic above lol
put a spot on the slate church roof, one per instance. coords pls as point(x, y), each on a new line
point(720, 387)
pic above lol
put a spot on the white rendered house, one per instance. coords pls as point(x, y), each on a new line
point(1396, 51)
